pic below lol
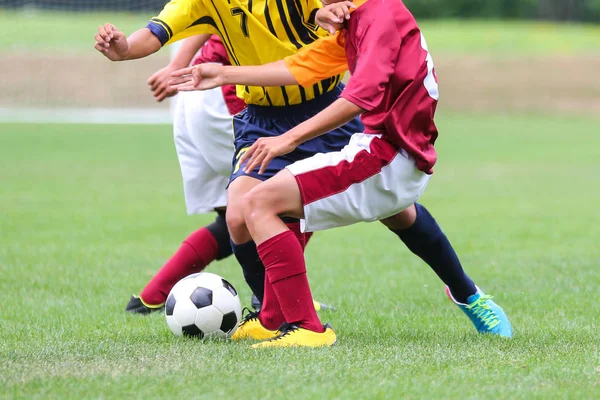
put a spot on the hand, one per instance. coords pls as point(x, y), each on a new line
point(159, 83)
point(266, 149)
point(111, 42)
point(331, 17)
point(198, 77)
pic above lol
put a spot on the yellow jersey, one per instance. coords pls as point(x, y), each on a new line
point(254, 32)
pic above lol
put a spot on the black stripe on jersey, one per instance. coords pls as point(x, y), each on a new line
point(336, 80)
point(297, 23)
point(312, 18)
point(167, 27)
point(286, 25)
point(310, 31)
point(210, 21)
point(249, 6)
point(326, 84)
point(316, 89)
point(268, 98)
point(268, 18)
point(302, 94)
point(286, 99)
point(226, 34)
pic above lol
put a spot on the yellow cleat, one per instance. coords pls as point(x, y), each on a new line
point(251, 328)
point(295, 336)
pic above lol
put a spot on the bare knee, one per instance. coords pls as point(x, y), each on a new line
point(402, 220)
point(259, 202)
point(236, 224)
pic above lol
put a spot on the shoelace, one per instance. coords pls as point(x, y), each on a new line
point(484, 312)
point(285, 329)
point(248, 315)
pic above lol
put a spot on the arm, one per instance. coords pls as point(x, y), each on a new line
point(115, 46)
point(159, 81)
point(265, 149)
point(175, 22)
point(271, 74)
point(322, 59)
point(208, 76)
point(337, 114)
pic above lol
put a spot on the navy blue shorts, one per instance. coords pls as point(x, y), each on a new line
point(256, 122)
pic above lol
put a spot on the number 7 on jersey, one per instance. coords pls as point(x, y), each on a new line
point(244, 19)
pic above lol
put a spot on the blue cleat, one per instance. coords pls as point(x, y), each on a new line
point(487, 316)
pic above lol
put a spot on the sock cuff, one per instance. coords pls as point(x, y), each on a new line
point(282, 256)
point(218, 230)
point(273, 240)
point(204, 238)
point(424, 222)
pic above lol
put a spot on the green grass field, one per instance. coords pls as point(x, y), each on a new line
point(90, 212)
point(59, 31)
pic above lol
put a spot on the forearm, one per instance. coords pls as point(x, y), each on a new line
point(188, 50)
point(334, 116)
point(272, 74)
point(142, 43)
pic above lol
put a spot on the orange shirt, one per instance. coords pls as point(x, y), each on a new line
point(321, 59)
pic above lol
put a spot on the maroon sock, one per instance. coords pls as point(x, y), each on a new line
point(195, 253)
point(283, 258)
point(270, 316)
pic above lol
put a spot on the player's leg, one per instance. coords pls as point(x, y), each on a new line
point(244, 248)
point(264, 324)
point(420, 232)
point(256, 303)
point(283, 257)
point(200, 123)
point(422, 235)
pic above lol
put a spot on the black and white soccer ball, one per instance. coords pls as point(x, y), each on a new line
point(203, 305)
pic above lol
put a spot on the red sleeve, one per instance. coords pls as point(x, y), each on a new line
point(377, 52)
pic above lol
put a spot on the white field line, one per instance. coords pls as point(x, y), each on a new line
point(86, 115)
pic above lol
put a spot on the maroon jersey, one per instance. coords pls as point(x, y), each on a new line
point(392, 78)
point(214, 51)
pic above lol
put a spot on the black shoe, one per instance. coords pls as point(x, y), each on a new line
point(256, 303)
point(137, 306)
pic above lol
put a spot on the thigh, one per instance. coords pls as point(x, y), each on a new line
point(204, 189)
point(270, 200)
point(368, 180)
point(209, 126)
point(203, 186)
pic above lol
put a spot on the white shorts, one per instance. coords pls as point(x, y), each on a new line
point(368, 180)
point(203, 131)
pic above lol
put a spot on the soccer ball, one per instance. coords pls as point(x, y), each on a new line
point(203, 305)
